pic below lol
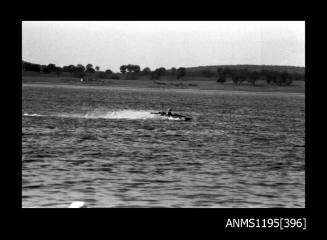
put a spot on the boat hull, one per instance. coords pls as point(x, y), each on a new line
point(174, 116)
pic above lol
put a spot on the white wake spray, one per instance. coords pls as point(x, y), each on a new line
point(119, 114)
point(102, 114)
point(33, 115)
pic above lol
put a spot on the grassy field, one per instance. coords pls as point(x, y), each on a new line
point(185, 83)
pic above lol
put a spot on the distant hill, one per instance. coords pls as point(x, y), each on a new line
point(290, 69)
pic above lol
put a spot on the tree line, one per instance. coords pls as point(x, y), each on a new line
point(238, 76)
point(75, 71)
point(131, 71)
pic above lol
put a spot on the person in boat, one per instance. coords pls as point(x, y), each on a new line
point(163, 113)
point(169, 112)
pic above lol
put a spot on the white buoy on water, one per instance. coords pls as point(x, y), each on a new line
point(77, 204)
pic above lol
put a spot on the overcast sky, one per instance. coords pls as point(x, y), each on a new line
point(166, 44)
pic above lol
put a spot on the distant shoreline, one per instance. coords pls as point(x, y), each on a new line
point(187, 84)
point(141, 85)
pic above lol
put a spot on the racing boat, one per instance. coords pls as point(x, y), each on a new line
point(173, 116)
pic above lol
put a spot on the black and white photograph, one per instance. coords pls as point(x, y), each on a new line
point(163, 114)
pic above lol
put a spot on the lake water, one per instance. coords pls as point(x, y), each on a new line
point(102, 146)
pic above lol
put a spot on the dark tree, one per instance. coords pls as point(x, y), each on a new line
point(130, 67)
point(52, 67)
point(156, 74)
point(277, 78)
point(227, 72)
point(89, 68)
point(136, 68)
point(236, 75)
point(70, 69)
point(181, 72)
point(221, 75)
point(236, 79)
point(270, 76)
point(97, 68)
point(254, 76)
point(264, 74)
point(45, 69)
point(146, 71)
point(285, 77)
point(133, 71)
point(108, 71)
point(80, 68)
point(31, 67)
point(162, 70)
point(123, 69)
point(243, 75)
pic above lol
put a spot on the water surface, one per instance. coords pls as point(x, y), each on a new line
point(102, 146)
